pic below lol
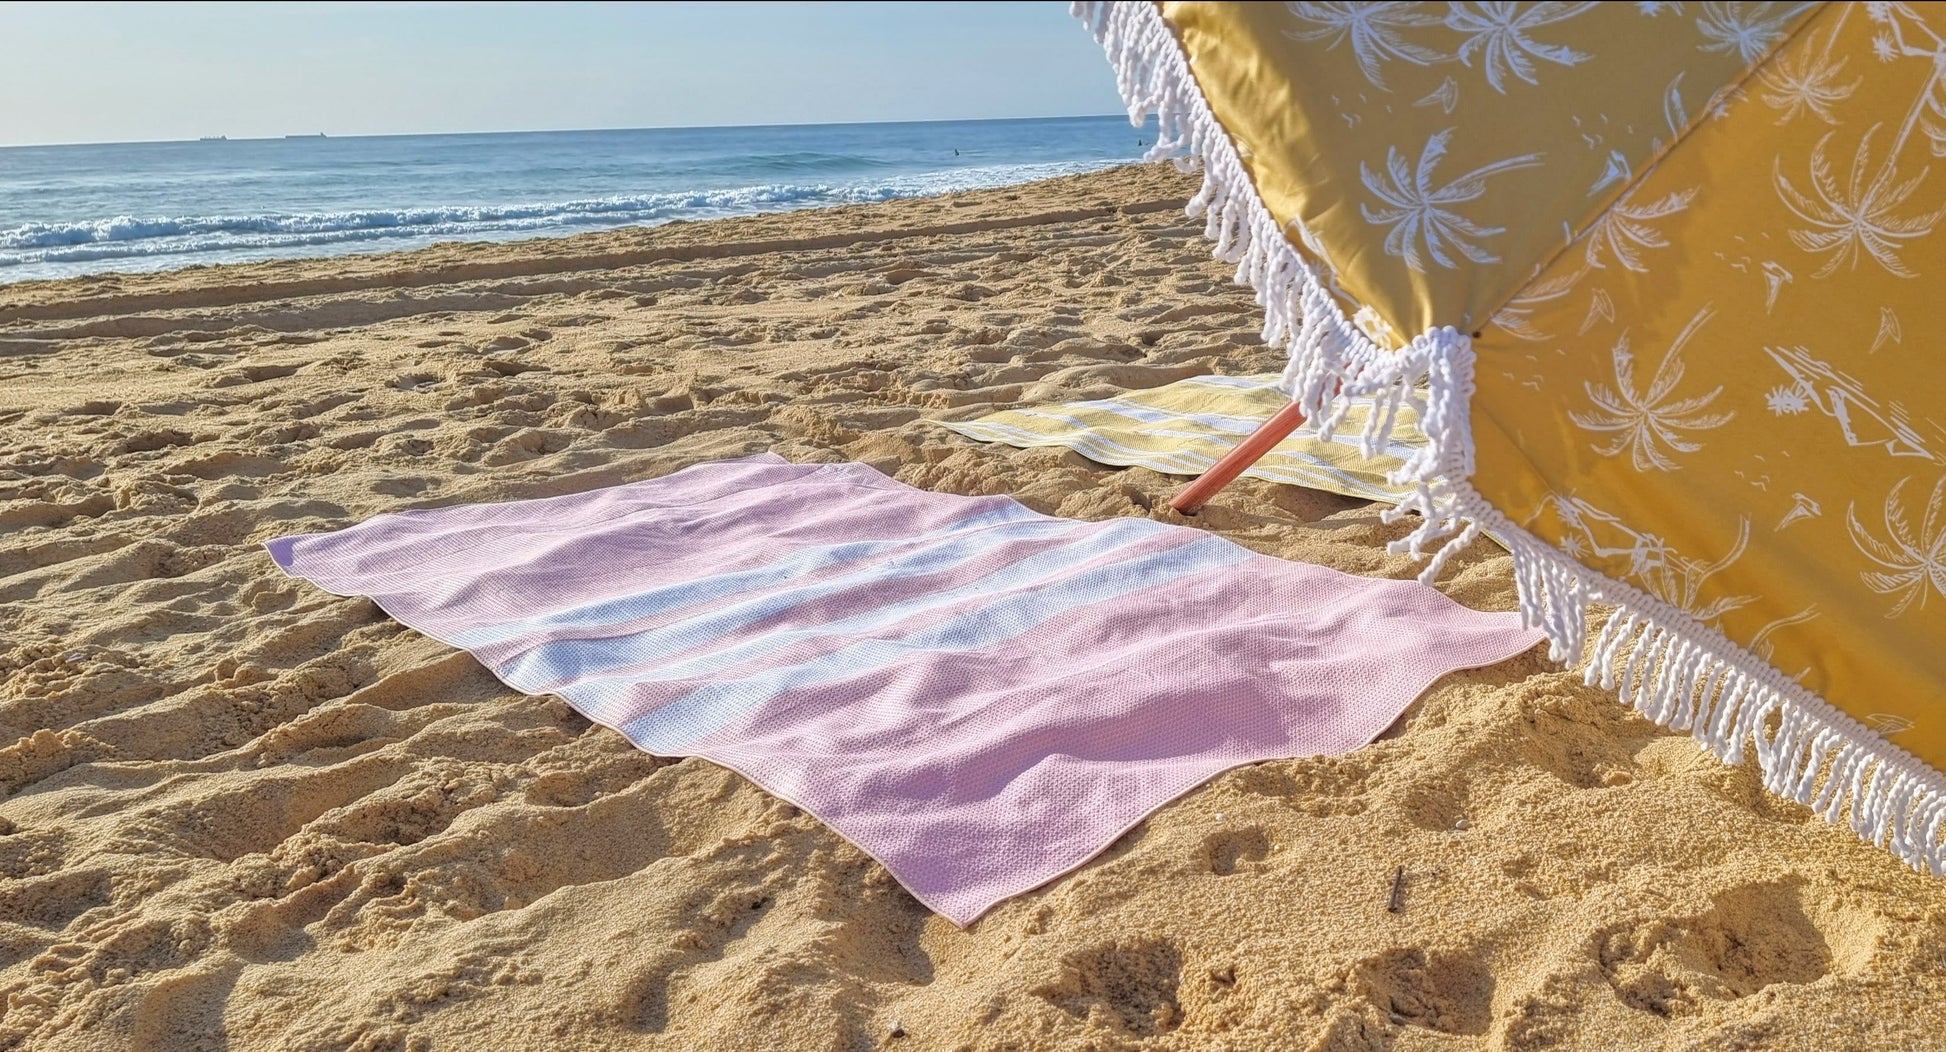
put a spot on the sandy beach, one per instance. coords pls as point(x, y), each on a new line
point(241, 813)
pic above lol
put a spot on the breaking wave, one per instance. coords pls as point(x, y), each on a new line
point(170, 241)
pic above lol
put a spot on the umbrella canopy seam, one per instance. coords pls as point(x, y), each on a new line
point(1577, 241)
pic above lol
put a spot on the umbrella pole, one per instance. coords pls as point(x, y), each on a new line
point(1238, 460)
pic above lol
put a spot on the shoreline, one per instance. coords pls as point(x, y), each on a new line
point(445, 261)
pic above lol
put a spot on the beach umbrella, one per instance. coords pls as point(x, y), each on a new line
point(1664, 282)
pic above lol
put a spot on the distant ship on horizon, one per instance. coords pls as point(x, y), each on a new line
point(312, 135)
point(214, 138)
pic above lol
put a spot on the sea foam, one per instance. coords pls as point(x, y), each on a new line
point(157, 242)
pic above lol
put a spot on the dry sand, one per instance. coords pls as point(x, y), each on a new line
point(244, 814)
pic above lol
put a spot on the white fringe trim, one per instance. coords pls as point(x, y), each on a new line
point(1672, 669)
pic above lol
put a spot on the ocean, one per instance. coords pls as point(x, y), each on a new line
point(72, 210)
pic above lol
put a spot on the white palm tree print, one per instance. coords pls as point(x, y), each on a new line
point(1645, 423)
point(1516, 318)
point(1857, 217)
point(1626, 229)
point(1805, 82)
point(1498, 32)
point(1372, 30)
point(1915, 561)
point(1749, 29)
point(1420, 212)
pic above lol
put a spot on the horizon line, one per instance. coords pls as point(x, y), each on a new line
point(548, 131)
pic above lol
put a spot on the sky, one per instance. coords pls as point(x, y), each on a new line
point(124, 72)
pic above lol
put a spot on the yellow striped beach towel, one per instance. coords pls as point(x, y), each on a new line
point(1184, 427)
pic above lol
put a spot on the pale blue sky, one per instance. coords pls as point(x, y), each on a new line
point(114, 72)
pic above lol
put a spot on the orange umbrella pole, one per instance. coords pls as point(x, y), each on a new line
point(1238, 460)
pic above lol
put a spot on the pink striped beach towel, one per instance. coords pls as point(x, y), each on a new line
point(980, 696)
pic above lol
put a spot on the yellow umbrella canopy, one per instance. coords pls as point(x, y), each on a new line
point(1657, 277)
